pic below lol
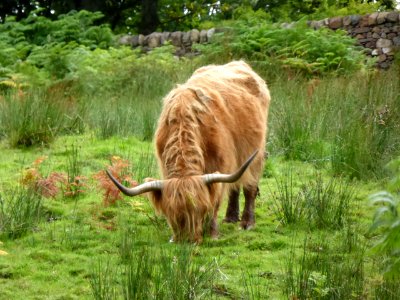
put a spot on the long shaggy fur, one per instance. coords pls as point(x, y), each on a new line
point(212, 123)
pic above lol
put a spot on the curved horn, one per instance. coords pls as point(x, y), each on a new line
point(212, 178)
point(156, 185)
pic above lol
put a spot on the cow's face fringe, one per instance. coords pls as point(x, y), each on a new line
point(186, 203)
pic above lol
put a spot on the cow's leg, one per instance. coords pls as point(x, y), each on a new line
point(250, 194)
point(232, 212)
point(214, 226)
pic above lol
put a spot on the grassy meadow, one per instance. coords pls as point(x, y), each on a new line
point(66, 234)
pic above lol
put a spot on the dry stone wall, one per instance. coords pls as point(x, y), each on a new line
point(378, 33)
point(182, 41)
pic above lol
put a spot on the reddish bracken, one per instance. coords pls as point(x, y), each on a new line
point(46, 186)
point(120, 170)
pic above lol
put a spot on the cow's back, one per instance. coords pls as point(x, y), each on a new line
point(226, 109)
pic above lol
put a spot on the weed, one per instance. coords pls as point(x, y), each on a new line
point(323, 273)
point(254, 285)
point(328, 203)
point(20, 212)
point(75, 183)
point(388, 289)
point(288, 203)
point(31, 119)
point(158, 273)
point(102, 281)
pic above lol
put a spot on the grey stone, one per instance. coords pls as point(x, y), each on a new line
point(312, 24)
point(319, 24)
point(387, 51)
point(146, 40)
point(396, 41)
point(382, 58)
point(210, 34)
point(363, 41)
point(141, 40)
point(355, 19)
point(203, 36)
point(372, 19)
point(135, 41)
point(186, 39)
point(125, 40)
point(335, 23)
point(176, 38)
point(376, 29)
point(361, 30)
point(376, 35)
point(381, 18)
point(346, 20)
point(154, 40)
point(392, 16)
point(165, 36)
point(384, 43)
point(194, 36)
point(375, 52)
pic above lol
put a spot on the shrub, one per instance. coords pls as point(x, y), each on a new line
point(301, 48)
point(387, 222)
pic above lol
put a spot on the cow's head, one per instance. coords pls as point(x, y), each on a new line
point(185, 201)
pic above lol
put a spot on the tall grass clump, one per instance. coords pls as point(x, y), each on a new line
point(75, 182)
point(298, 123)
point(168, 274)
point(20, 212)
point(255, 286)
point(129, 103)
point(318, 202)
point(328, 202)
point(102, 281)
point(150, 272)
point(288, 200)
point(319, 271)
point(349, 123)
point(32, 118)
point(367, 135)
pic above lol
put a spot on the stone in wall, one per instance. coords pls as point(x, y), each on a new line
point(378, 32)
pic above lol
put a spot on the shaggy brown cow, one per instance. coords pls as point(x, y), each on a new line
point(208, 127)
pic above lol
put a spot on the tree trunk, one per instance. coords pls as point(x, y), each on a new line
point(149, 19)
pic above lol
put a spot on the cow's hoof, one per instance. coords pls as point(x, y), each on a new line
point(230, 220)
point(214, 236)
point(247, 225)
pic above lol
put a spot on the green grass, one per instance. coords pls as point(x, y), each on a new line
point(329, 142)
point(81, 249)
